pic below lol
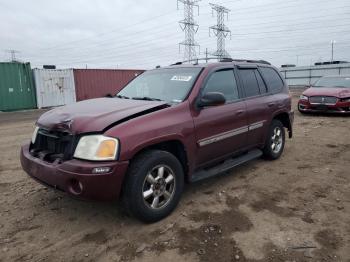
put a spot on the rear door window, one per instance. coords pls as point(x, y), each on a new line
point(250, 83)
point(272, 79)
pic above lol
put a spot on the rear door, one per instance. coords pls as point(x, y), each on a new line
point(220, 130)
point(255, 92)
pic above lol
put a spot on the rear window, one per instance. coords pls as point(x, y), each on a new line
point(272, 79)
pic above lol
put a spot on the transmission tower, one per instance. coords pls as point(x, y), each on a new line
point(189, 26)
point(220, 30)
point(12, 55)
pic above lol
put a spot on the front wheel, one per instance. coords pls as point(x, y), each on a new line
point(153, 185)
point(275, 140)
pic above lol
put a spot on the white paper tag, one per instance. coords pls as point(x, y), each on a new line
point(181, 78)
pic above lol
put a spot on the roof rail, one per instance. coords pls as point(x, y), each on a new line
point(224, 59)
point(177, 63)
point(245, 60)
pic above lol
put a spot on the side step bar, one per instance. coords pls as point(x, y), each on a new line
point(226, 165)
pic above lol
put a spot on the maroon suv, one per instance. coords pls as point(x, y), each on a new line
point(168, 126)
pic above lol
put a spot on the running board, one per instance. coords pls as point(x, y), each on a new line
point(226, 165)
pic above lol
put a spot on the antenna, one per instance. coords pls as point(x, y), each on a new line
point(189, 26)
point(220, 30)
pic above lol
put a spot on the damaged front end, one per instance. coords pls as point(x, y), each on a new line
point(53, 145)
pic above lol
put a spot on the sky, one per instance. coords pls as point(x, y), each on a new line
point(142, 34)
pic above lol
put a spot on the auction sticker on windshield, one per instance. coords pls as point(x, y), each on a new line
point(181, 78)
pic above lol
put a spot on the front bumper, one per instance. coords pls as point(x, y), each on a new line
point(75, 176)
point(338, 108)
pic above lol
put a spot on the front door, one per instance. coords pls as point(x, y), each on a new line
point(220, 130)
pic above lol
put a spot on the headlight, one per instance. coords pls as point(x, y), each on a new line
point(97, 147)
point(302, 97)
point(35, 133)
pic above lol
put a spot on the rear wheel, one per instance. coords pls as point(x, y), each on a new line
point(275, 140)
point(153, 185)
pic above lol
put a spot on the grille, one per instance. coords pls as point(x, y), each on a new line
point(53, 146)
point(330, 100)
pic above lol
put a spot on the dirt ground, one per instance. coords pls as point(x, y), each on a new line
point(294, 209)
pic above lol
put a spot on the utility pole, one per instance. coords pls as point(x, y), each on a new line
point(12, 55)
point(332, 43)
point(190, 27)
point(220, 30)
point(206, 55)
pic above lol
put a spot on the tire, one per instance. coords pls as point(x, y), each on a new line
point(153, 175)
point(275, 143)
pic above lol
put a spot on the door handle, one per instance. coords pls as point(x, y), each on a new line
point(271, 104)
point(239, 112)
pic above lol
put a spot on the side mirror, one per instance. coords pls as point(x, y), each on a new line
point(109, 95)
point(212, 99)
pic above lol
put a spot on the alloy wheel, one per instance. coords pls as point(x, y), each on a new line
point(276, 140)
point(159, 187)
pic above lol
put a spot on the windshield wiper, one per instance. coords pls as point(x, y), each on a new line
point(124, 97)
point(147, 98)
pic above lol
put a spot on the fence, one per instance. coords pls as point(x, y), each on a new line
point(307, 75)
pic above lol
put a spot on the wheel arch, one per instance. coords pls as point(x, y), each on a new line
point(284, 118)
point(174, 146)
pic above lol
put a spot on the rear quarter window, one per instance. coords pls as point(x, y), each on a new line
point(272, 79)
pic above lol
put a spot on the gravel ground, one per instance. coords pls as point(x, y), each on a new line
point(294, 209)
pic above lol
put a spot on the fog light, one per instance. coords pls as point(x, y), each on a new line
point(76, 187)
point(101, 170)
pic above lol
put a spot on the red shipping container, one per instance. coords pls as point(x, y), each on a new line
point(94, 83)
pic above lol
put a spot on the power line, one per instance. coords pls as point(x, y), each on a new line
point(156, 17)
point(98, 44)
point(143, 43)
point(128, 44)
point(109, 32)
point(130, 48)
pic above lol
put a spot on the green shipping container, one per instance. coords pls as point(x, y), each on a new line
point(17, 90)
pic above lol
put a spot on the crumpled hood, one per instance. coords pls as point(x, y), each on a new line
point(325, 91)
point(95, 115)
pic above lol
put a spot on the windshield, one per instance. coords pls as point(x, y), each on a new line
point(336, 81)
point(170, 85)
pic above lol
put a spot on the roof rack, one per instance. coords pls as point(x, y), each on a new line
point(245, 60)
point(224, 59)
point(177, 63)
point(195, 61)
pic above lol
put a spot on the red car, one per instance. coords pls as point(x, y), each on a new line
point(330, 94)
point(168, 126)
